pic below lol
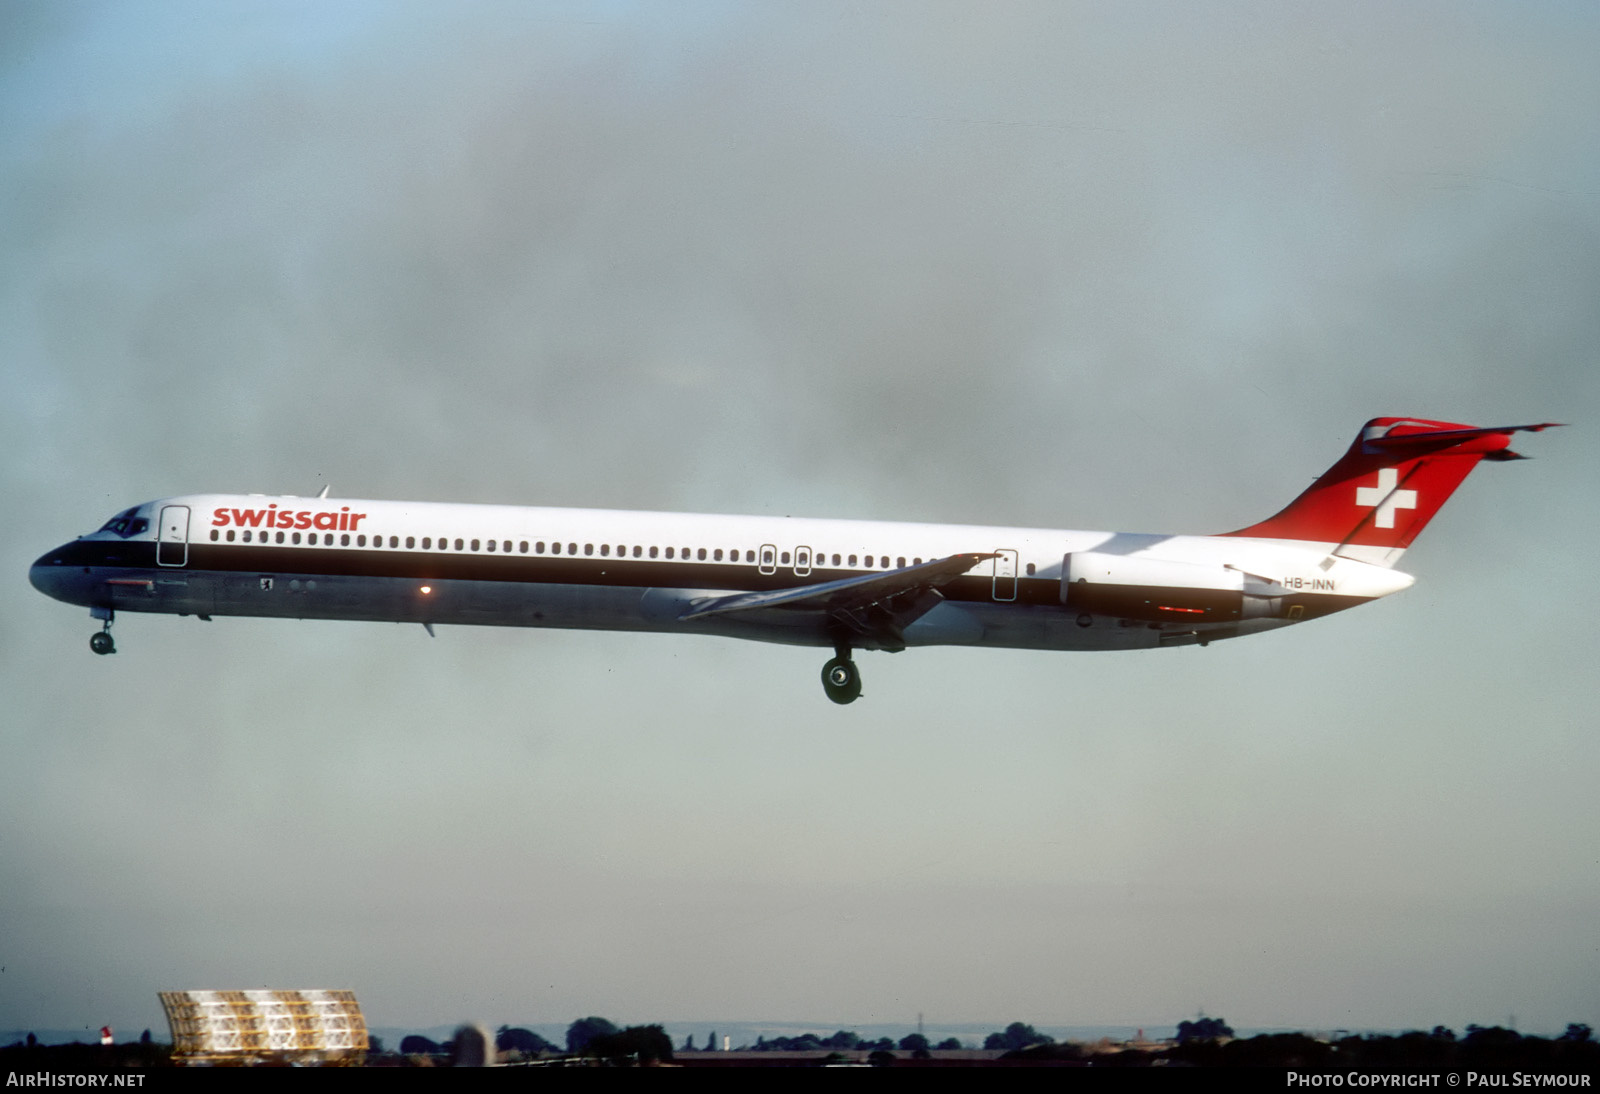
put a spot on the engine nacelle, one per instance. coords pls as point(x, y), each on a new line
point(1161, 590)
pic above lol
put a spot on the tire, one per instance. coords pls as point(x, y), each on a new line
point(841, 680)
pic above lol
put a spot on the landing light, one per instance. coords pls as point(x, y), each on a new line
point(426, 589)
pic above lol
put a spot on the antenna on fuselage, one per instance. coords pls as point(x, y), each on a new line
point(324, 491)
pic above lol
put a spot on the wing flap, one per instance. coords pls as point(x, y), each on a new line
point(875, 606)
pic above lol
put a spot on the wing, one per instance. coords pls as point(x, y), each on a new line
point(877, 607)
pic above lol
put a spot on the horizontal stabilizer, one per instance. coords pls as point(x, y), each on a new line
point(1420, 441)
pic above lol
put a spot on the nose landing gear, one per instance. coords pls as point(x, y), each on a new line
point(841, 679)
point(101, 643)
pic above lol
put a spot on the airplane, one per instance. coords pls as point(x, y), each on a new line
point(844, 585)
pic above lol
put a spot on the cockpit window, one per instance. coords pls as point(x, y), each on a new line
point(125, 524)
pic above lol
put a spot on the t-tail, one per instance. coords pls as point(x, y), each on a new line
point(1381, 494)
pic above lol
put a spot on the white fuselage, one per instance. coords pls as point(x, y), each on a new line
point(252, 555)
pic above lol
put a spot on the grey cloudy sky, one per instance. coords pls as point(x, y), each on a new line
point(1144, 267)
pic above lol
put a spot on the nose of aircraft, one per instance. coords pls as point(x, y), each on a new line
point(51, 575)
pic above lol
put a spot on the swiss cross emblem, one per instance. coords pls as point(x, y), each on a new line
point(1386, 498)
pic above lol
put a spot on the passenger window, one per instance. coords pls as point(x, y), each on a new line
point(458, 545)
point(702, 554)
point(901, 562)
point(784, 558)
point(522, 548)
point(669, 552)
point(491, 545)
point(588, 548)
point(361, 541)
point(1030, 569)
point(749, 556)
point(296, 539)
point(653, 551)
point(214, 536)
point(230, 535)
point(572, 548)
point(427, 543)
point(344, 540)
point(538, 548)
point(716, 556)
point(635, 550)
point(411, 541)
point(852, 560)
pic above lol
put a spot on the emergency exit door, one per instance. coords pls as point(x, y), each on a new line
point(1005, 573)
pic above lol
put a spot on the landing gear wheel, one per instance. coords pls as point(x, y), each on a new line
point(102, 643)
point(841, 680)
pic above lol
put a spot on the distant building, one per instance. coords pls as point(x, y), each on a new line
point(241, 1027)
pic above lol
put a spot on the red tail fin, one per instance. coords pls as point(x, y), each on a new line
point(1395, 477)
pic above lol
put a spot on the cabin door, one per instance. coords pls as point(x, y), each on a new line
point(172, 540)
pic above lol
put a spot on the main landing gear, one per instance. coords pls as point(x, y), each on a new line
point(101, 643)
point(840, 677)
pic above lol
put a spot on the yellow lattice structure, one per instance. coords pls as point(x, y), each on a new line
point(250, 1026)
